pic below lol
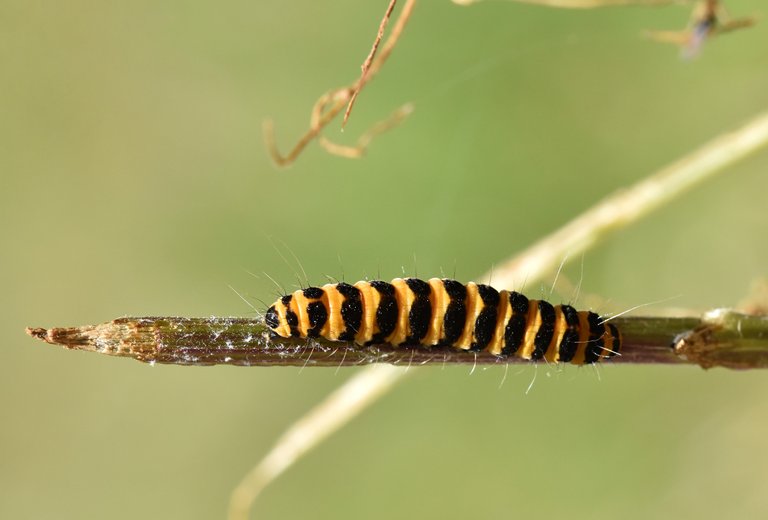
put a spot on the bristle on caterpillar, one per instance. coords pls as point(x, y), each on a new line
point(474, 317)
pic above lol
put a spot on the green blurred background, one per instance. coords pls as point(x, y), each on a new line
point(135, 182)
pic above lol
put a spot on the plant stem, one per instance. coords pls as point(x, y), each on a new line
point(720, 338)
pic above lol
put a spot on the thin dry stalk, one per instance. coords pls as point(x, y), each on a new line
point(321, 116)
point(357, 151)
point(627, 206)
point(331, 104)
point(739, 343)
point(366, 66)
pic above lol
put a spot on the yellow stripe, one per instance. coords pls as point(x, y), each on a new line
point(299, 302)
point(282, 329)
point(503, 314)
point(335, 321)
point(326, 328)
point(439, 300)
point(532, 324)
point(294, 306)
point(404, 297)
point(553, 352)
point(369, 299)
point(581, 348)
point(474, 305)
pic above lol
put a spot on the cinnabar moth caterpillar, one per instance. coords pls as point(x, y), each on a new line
point(475, 317)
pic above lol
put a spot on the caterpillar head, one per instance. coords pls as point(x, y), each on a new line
point(278, 316)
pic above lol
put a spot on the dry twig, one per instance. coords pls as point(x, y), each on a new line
point(366, 66)
point(628, 206)
point(732, 339)
point(330, 104)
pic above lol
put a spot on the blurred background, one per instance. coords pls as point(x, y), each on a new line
point(135, 182)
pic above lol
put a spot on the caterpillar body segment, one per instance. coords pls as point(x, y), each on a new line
point(474, 317)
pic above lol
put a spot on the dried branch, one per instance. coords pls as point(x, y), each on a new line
point(366, 66)
point(330, 104)
point(321, 115)
point(721, 338)
point(354, 152)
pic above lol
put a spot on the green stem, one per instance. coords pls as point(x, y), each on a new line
point(720, 338)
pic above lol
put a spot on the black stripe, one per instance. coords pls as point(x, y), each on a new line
point(351, 310)
point(485, 324)
point(318, 315)
point(570, 342)
point(488, 295)
point(420, 315)
point(271, 318)
point(568, 346)
point(571, 316)
point(313, 293)
point(286, 300)
point(514, 332)
point(386, 313)
point(518, 302)
point(456, 312)
point(293, 321)
point(546, 330)
point(595, 344)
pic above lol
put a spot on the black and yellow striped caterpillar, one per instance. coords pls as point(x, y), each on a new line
point(409, 311)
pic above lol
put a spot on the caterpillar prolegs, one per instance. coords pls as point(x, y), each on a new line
point(474, 317)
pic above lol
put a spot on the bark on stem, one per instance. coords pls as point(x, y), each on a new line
point(720, 338)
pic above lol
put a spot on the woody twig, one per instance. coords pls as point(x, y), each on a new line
point(333, 102)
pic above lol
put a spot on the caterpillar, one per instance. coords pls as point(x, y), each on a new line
point(441, 311)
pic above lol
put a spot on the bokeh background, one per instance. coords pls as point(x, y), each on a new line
point(135, 182)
